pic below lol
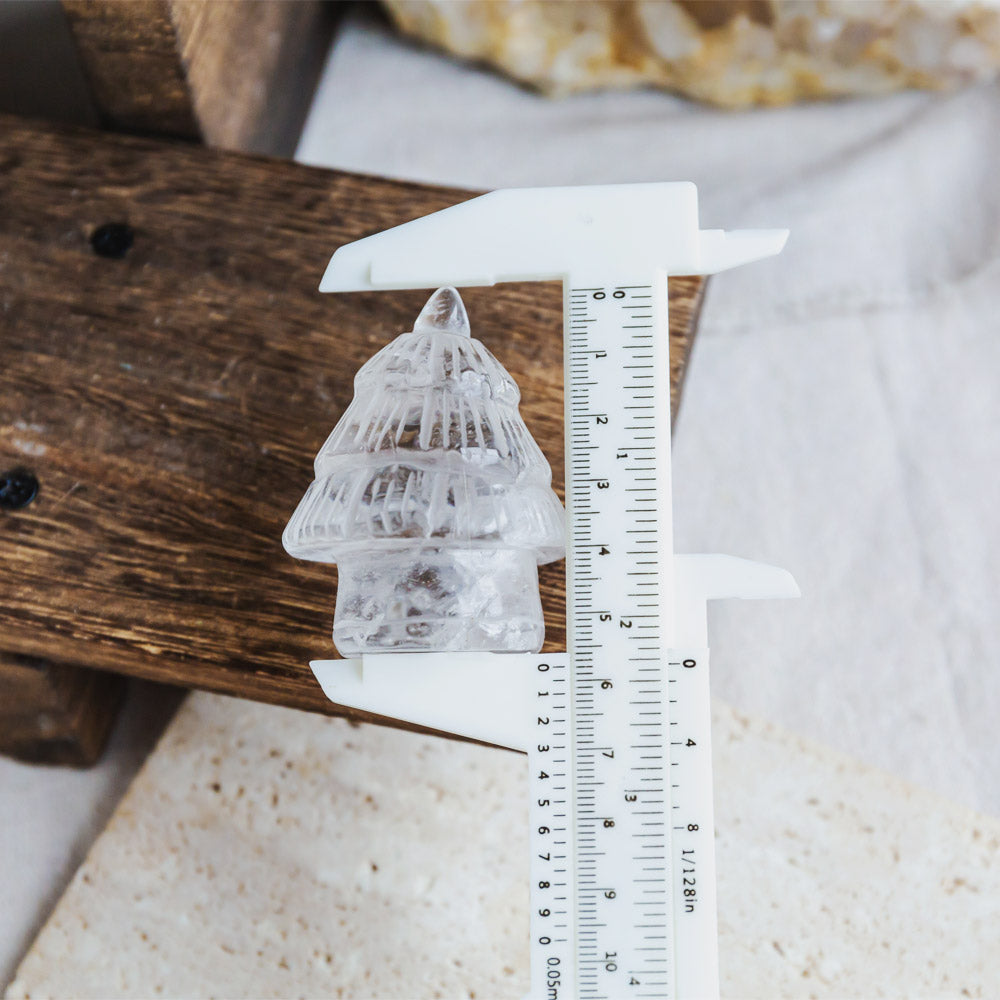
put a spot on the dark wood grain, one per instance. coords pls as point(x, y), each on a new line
point(238, 74)
point(130, 57)
point(54, 713)
point(171, 402)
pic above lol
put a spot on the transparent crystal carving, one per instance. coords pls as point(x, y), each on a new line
point(433, 499)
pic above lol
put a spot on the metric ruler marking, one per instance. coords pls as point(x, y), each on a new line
point(611, 898)
point(624, 925)
point(656, 888)
point(622, 872)
point(552, 864)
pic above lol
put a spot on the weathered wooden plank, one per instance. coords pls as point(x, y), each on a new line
point(129, 54)
point(237, 74)
point(54, 713)
point(171, 401)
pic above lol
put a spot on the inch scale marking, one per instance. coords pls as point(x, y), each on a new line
point(620, 478)
point(636, 849)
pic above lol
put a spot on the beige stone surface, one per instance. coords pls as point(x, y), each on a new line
point(263, 852)
point(733, 53)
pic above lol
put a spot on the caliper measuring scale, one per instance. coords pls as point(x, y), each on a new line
point(617, 729)
point(620, 625)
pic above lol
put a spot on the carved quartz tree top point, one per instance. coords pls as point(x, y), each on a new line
point(434, 500)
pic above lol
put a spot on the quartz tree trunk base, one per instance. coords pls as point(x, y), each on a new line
point(168, 380)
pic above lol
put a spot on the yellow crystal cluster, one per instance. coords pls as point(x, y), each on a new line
point(732, 53)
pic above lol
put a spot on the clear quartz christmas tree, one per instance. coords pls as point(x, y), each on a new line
point(433, 499)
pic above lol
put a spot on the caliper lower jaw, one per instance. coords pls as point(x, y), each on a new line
point(483, 696)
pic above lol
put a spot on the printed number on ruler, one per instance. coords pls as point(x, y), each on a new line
point(551, 818)
point(621, 812)
point(620, 610)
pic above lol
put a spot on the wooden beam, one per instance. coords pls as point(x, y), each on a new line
point(130, 56)
point(238, 74)
point(53, 713)
point(170, 400)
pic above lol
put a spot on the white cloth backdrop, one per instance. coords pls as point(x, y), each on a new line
point(841, 416)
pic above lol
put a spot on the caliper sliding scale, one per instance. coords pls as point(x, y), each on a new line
point(617, 729)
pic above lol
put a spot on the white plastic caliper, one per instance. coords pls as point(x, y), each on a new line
point(617, 728)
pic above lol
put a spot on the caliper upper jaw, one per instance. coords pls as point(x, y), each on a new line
point(544, 234)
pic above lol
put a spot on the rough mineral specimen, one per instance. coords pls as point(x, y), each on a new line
point(733, 53)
